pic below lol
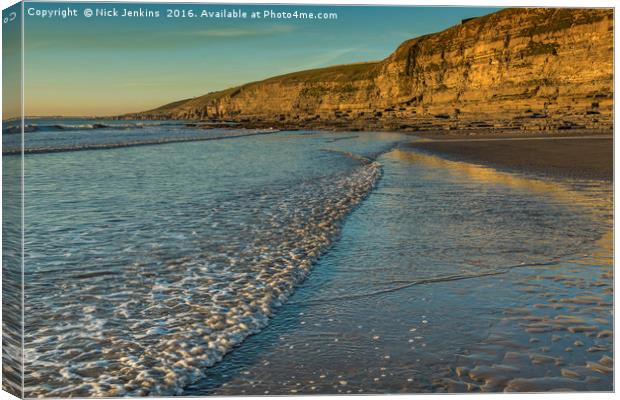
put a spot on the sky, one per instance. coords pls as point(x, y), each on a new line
point(11, 63)
point(79, 66)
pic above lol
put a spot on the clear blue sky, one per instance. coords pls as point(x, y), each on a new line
point(102, 66)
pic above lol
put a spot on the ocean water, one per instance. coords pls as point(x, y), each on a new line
point(449, 277)
point(55, 134)
point(300, 262)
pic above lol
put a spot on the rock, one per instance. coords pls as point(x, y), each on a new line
point(599, 367)
point(605, 334)
point(582, 328)
point(542, 359)
point(544, 384)
point(519, 68)
point(494, 377)
point(569, 373)
point(455, 386)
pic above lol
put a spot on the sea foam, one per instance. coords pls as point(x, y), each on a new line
point(166, 324)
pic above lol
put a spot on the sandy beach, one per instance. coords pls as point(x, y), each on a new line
point(343, 250)
point(586, 156)
point(524, 318)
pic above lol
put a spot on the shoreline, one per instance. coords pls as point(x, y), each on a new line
point(578, 157)
point(423, 126)
point(108, 146)
point(519, 338)
point(438, 130)
point(576, 153)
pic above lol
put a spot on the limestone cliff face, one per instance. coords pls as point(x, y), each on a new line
point(522, 68)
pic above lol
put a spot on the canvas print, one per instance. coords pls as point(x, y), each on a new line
point(256, 199)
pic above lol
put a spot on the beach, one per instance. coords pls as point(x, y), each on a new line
point(342, 262)
point(587, 155)
point(524, 306)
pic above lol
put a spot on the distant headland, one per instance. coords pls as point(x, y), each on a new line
point(521, 68)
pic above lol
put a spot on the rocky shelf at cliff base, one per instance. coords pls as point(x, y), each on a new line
point(526, 69)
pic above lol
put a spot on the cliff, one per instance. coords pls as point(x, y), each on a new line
point(517, 68)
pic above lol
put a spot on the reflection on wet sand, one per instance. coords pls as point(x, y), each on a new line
point(561, 192)
point(559, 335)
point(378, 316)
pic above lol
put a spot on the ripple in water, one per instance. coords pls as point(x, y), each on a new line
point(143, 304)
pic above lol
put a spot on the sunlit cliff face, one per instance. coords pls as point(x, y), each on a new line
point(521, 66)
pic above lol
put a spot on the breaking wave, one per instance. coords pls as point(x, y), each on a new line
point(15, 129)
point(194, 136)
point(164, 324)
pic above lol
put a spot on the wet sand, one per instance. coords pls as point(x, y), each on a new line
point(531, 310)
point(565, 157)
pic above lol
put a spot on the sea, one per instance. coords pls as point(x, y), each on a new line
point(174, 258)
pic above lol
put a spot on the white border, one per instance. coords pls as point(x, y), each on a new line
point(475, 3)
